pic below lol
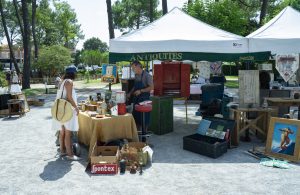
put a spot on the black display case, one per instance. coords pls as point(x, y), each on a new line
point(209, 146)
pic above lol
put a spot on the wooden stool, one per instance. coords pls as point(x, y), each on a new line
point(16, 107)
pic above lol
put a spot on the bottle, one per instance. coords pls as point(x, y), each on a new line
point(103, 108)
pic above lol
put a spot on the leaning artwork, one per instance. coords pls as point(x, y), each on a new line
point(283, 139)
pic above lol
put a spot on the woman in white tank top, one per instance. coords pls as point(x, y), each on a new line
point(66, 91)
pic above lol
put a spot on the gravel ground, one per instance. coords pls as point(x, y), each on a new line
point(29, 164)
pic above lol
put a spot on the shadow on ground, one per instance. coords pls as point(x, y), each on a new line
point(56, 170)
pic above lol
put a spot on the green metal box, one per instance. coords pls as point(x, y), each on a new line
point(161, 120)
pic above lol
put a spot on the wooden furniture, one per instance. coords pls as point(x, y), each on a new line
point(284, 102)
point(16, 107)
point(243, 122)
point(161, 117)
point(172, 78)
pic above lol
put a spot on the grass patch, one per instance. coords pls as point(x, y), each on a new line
point(232, 84)
point(38, 91)
point(232, 78)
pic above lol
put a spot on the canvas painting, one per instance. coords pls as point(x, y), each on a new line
point(216, 68)
point(287, 65)
point(283, 138)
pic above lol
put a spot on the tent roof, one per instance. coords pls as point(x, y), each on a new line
point(178, 31)
point(179, 36)
point(177, 25)
point(279, 35)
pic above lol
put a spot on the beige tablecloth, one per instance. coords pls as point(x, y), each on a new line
point(93, 129)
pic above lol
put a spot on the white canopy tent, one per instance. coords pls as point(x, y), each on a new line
point(179, 36)
point(281, 35)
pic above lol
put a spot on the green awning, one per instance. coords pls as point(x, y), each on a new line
point(193, 56)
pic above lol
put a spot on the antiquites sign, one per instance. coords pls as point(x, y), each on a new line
point(157, 56)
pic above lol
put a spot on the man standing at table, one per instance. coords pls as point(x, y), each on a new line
point(143, 84)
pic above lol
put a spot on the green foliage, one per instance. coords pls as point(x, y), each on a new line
point(53, 59)
point(131, 14)
point(223, 14)
point(276, 6)
point(46, 31)
point(91, 57)
point(57, 26)
point(67, 24)
point(3, 82)
point(76, 57)
point(87, 76)
point(95, 44)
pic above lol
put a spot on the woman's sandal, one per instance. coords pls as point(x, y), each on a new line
point(73, 158)
point(61, 154)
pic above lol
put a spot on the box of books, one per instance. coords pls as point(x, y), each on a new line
point(212, 137)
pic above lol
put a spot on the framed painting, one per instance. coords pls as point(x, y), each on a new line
point(283, 139)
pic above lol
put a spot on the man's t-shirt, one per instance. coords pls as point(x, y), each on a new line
point(147, 79)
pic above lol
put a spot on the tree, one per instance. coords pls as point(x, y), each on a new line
point(67, 24)
point(33, 22)
point(46, 30)
point(151, 10)
point(8, 38)
point(131, 14)
point(225, 14)
point(164, 6)
point(263, 11)
point(95, 44)
point(26, 45)
point(77, 57)
point(91, 57)
point(110, 20)
point(53, 59)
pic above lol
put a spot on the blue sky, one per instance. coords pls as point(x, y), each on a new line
point(92, 16)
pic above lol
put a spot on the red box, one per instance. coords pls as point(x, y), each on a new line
point(172, 78)
point(105, 159)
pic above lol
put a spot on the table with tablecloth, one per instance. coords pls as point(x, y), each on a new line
point(105, 129)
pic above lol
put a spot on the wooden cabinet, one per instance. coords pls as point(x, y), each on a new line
point(172, 78)
point(161, 119)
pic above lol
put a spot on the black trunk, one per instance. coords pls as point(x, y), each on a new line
point(36, 49)
point(19, 17)
point(26, 45)
point(110, 20)
point(12, 55)
point(164, 6)
point(151, 10)
point(263, 11)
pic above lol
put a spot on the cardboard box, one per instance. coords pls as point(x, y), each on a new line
point(105, 159)
point(133, 153)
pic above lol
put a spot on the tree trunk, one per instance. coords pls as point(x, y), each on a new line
point(110, 20)
point(138, 20)
point(19, 17)
point(26, 45)
point(263, 11)
point(164, 6)
point(151, 10)
point(12, 55)
point(36, 49)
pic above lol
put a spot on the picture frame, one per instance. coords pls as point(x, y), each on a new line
point(283, 140)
